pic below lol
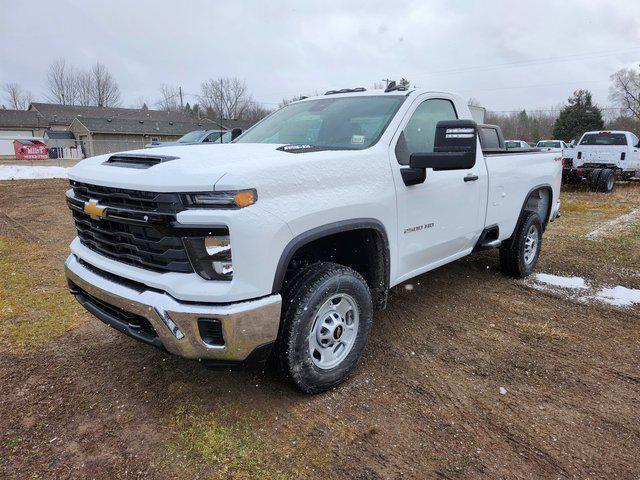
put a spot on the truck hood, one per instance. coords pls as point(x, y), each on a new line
point(195, 167)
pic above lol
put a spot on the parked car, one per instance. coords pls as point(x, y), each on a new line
point(511, 144)
point(195, 137)
point(552, 145)
point(601, 157)
point(285, 242)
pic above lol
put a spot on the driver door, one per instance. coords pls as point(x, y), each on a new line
point(441, 218)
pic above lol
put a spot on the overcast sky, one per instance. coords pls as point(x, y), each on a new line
point(507, 54)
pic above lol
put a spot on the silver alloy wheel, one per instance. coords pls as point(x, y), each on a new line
point(334, 331)
point(531, 244)
point(610, 183)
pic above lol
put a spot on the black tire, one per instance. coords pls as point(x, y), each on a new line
point(512, 251)
point(606, 181)
point(594, 179)
point(304, 295)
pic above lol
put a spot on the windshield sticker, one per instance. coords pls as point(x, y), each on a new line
point(357, 139)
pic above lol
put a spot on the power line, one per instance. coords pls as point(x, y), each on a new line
point(526, 63)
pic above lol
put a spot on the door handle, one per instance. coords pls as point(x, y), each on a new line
point(471, 178)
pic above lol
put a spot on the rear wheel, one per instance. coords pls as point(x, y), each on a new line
point(327, 317)
point(594, 179)
point(606, 180)
point(519, 255)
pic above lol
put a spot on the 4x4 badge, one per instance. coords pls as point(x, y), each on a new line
point(94, 210)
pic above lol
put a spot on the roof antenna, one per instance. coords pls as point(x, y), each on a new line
point(391, 87)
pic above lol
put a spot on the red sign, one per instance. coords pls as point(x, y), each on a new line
point(30, 150)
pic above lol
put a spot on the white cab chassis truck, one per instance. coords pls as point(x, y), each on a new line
point(601, 157)
point(283, 243)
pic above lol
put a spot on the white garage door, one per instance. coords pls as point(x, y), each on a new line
point(16, 134)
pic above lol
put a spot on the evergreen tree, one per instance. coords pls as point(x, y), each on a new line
point(580, 116)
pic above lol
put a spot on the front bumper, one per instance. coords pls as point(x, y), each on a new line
point(248, 328)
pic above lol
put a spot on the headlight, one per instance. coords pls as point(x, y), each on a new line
point(210, 256)
point(229, 199)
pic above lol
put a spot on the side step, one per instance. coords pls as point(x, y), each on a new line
point(488, 239)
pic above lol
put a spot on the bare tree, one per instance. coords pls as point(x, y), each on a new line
point(16, 97)
point(625, 91)
point(84, 86)
point(142, 103)
point(255, 112)
point(104, 88)
point(169, 98)
point(61, 83)
point(529, 126)
point(226, 96)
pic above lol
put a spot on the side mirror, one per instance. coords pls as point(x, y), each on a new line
point(454, 148)
point(235, 133)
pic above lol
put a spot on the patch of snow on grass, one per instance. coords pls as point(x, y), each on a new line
point(558, 281)
point(619, 296)
point(29, 172)
point(616, 224)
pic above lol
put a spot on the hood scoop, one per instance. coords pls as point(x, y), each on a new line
point(129, 160)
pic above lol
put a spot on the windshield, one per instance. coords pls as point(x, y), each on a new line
point(549, 144)
point(510, 144)
point(191, 136)
point(340, 123)
point(604, 138)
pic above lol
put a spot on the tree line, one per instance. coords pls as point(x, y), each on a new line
point(218, 98)
point(579, 115)
point(229, 98)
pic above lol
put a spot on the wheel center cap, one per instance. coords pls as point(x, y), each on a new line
point(337, 333)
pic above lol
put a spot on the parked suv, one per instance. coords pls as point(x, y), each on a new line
point(285, 242)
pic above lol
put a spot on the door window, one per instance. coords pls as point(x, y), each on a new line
point(489, 139)
point(419, 134)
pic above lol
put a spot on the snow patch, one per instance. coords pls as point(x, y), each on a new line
point(564, 282)
point(619, 296)
point(29, 172)
point(616, 224)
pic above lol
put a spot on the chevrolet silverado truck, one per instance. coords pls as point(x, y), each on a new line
point(601, 157)
point(282, 244)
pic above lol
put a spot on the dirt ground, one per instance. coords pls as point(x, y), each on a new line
point(80, 400)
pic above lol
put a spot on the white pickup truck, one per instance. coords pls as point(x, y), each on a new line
point(283, 243)
point(602, 156)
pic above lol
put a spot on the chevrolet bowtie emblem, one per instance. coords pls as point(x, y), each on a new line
point(94, 210)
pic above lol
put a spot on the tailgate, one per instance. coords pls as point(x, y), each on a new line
point(602, 155)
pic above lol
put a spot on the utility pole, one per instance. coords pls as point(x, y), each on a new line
point(181, 104)
point(221, 128)
point(386, 82)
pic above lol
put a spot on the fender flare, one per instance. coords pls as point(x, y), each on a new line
point(543, 186)
point(324, 231)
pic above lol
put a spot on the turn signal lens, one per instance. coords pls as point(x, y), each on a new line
point(245, 198)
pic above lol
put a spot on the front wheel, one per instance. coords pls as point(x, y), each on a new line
point(327, 317)
point(519, 255)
